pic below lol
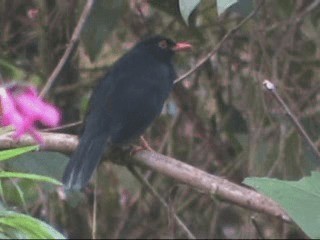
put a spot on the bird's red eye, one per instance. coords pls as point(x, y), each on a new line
point(163, 44)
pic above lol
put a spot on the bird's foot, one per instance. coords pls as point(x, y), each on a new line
point(144, 146)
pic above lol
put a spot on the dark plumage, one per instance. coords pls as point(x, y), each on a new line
point(123, 104)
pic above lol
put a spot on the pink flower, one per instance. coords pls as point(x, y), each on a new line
point(22, 108)
point(33, 13)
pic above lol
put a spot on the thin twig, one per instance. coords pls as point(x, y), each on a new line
point(314, 5)
point(94, 215)
point(168, 133)
point(162, 201)
point(218, 46)
point(257, 227)
point(271, 88)
point(65, 126)
point(72, 44)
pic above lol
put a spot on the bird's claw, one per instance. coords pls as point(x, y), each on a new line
point(144, 146)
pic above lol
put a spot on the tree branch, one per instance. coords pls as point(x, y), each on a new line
point(71, 46)
point(210, 184)
point(182, 172)
point(59, 142)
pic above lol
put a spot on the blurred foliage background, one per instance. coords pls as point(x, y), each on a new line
point(219, 119)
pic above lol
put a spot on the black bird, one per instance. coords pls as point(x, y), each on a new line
point(123, 104)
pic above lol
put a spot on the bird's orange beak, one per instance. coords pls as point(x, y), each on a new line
point(182, 46)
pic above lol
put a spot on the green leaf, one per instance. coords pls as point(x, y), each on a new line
point(242, 7)
point(103, 18)
point(45, 163)
point(20, 194)
point(28, 227)
point(11, 71)
point(7, 154)
point(35, 177)
point(223, 5)
point(300, 199)
point(187, 7)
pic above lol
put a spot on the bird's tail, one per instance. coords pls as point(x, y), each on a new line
point(84, 161)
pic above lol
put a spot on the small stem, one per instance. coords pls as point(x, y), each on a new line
point(65, 126)
point(94, 215)
point(145, 183)
point(271, 88)
point(71, 46)
point(257, 227)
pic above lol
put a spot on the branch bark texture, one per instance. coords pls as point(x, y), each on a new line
point(178, 170)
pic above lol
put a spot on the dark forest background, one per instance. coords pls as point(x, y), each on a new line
point(219, 119)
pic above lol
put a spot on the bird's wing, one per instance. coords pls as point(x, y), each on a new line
point(139, 98)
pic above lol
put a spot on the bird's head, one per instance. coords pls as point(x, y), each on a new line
point(164, 48)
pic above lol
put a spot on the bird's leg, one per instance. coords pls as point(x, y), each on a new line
point(144, 146)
